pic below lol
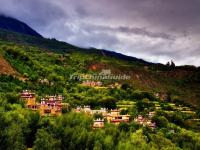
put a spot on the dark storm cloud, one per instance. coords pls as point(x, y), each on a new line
point(144, 32)
point(35, 12)
point(164, 15)
point(126, 30)
point(156, 30)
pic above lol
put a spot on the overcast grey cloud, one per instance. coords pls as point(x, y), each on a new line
point(155, 30)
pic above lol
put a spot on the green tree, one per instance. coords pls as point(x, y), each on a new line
point(46, 141)
point(109, 102)
point(160, 121)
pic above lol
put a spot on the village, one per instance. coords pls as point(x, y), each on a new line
point(114, 117)
point(52, 106)
point(49, 105)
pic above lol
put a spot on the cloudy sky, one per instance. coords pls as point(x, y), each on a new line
point(155, 30)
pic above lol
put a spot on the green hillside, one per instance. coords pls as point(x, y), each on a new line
point(45, 66)
point(44, 57)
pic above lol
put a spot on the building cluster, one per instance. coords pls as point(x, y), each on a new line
point(92, 83)
point(115, 117)
point(114, 85)
point(89, 111)
point(146, 121)
point(112, 116)
point(49, 105)
point(52, 106)
point(98, 123)
point(30, 99)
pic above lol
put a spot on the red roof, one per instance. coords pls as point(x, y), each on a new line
point(120, 120)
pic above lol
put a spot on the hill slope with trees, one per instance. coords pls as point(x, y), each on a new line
point(45, 65)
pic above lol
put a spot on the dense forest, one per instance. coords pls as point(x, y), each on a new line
point(22, 128)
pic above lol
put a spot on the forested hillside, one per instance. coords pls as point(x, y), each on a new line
point(45, 66)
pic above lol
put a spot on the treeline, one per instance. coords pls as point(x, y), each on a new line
point(22, 129)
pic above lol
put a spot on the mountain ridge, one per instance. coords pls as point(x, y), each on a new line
point(15, 25)
point(182, 81)
point(60, 46)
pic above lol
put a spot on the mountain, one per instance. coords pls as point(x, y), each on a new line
point(26, 35)
point(15, 25)
point(60, 47)
point(35, 57)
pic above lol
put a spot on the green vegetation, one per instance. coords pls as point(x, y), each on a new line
point(21, 128)
point(45, 66)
